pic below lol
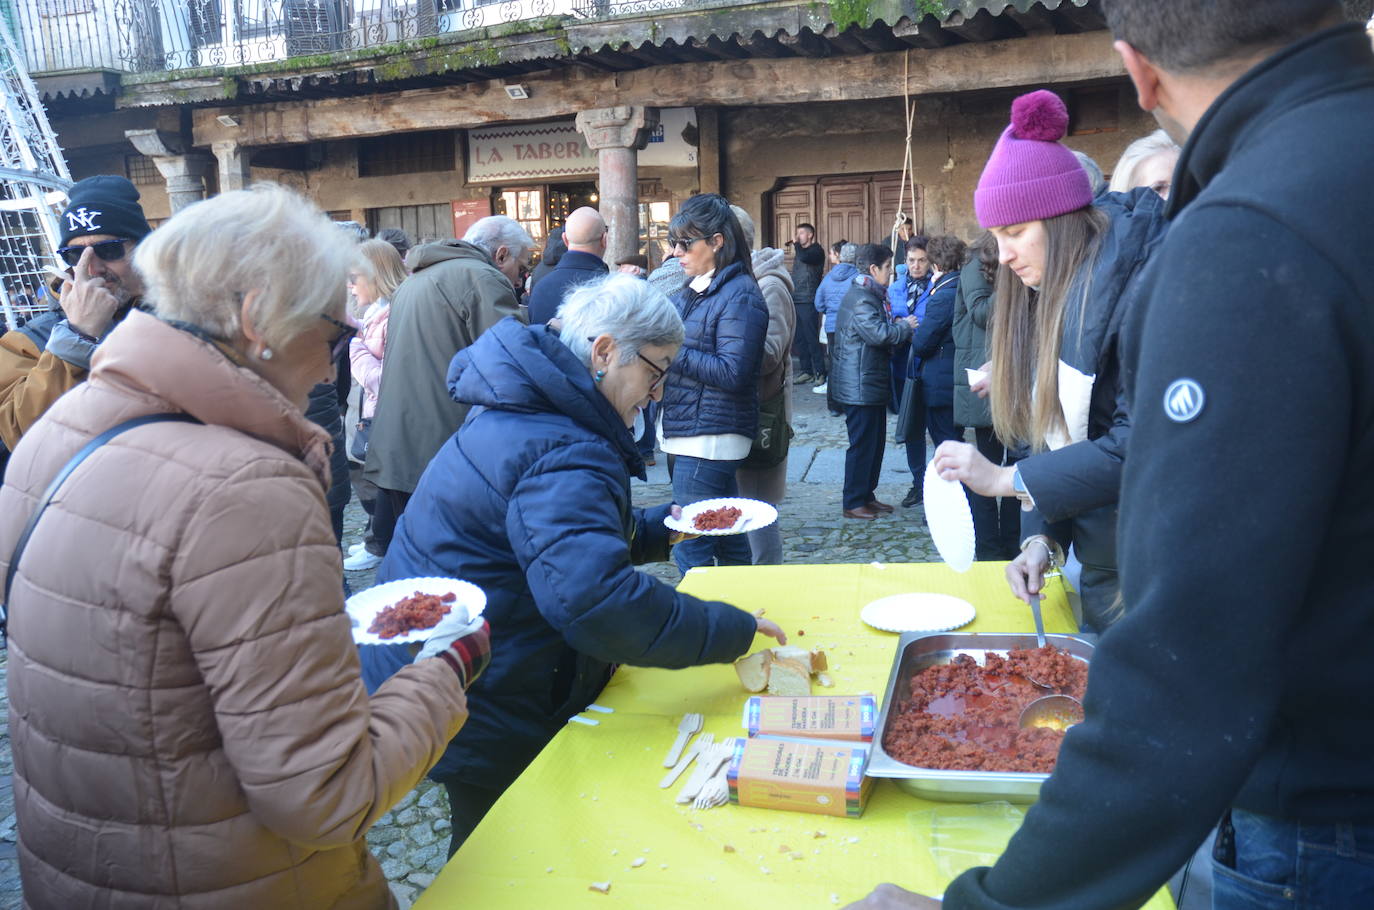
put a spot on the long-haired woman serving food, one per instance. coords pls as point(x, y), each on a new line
point(1062, 288)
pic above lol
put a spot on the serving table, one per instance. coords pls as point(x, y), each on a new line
point(588, 809)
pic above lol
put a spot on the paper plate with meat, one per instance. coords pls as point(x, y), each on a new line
point(413, 609)
point(718, 517)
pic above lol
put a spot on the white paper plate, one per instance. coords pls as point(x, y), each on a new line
point(753, 515)
point(364, 606)
point(918, 613)
point(949, 519)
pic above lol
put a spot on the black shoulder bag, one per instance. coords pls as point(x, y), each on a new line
point(51, 491)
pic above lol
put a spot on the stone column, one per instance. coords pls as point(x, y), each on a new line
point(234, 172)
point(183, 172)
point(617, 134)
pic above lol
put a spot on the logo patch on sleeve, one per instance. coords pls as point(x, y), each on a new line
point(1183, 400)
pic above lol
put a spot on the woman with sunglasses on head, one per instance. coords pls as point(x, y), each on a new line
point(188, 719)
point(530, 501)
point(52, 352)
point(1061, 292)
point(710, 411)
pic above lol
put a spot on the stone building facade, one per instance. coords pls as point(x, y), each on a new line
point(793, 111)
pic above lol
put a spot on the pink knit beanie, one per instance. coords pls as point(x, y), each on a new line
point(1031, 175)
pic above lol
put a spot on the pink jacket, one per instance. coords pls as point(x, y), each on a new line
point(365, 354)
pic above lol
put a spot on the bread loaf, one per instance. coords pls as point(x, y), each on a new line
point(793, 668)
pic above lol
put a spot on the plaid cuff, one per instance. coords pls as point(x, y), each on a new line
point(469, 655)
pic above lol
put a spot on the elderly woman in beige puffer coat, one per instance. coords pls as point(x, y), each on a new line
point(188, 723)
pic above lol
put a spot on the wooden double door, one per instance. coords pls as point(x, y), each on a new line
point(858, 208)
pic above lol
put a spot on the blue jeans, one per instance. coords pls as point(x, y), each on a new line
point(695, 479)
point(1284, 864)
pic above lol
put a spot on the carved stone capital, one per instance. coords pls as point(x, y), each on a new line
point(155, 143)
point(623, 127)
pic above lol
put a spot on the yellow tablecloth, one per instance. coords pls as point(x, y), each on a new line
point(589, 805)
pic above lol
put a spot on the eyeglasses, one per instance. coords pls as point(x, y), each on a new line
point(339, 343)
point(660, 374)
point(684, 242)
point(106, 250)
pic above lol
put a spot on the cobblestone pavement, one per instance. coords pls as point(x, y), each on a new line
point(411, 840)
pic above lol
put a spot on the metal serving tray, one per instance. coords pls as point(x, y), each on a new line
point(915, 652)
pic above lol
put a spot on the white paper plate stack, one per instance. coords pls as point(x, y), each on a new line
point(949, 519)
point(918, 613)
point(364, 606)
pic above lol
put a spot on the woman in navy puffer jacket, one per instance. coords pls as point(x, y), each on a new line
point(530, 501)
point(710, 402)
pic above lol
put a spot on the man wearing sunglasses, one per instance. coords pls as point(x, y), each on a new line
point(52, 353)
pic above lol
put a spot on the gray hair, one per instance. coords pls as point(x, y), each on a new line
point(1138, 152)
point(848, 252)
point(496, 231)
point(629, 309)
point(198, 267)
point(746, 224)
point(1094, 172)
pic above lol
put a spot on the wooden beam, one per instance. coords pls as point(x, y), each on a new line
point(1039, 60)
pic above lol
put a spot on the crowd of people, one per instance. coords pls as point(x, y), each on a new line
point(192, 722)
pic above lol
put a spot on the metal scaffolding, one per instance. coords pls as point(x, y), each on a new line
point(33, 189)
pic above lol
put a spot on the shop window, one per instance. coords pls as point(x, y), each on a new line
point(406, 153)
point(527, 208)
point(1094, 111)
point(141, 170)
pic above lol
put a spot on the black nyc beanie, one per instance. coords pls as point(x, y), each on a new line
point(104, 205)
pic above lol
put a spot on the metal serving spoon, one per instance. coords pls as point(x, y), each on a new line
point(1054, 712)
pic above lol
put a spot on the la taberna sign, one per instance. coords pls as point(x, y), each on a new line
point(518, 153)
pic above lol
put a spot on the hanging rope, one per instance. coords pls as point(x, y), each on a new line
point(908, 165)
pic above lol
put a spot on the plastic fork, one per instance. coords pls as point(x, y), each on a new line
point(690, 723)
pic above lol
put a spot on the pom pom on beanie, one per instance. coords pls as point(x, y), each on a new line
point(1040, 116)
point(1031, 175)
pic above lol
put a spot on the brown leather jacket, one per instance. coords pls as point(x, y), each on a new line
point(188, 722)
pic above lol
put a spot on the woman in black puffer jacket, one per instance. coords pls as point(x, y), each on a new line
point(710, 411)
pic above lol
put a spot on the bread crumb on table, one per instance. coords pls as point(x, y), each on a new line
point(603, 887)
point(639, 861)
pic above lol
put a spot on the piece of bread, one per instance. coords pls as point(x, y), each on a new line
point(789, 676)
point(753, 670)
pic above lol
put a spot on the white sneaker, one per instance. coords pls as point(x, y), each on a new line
point(822, 388)
point(356, 548)
point(359, 562)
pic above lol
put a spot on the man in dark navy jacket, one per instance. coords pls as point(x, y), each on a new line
point(1238, 685)
point(585, 234)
